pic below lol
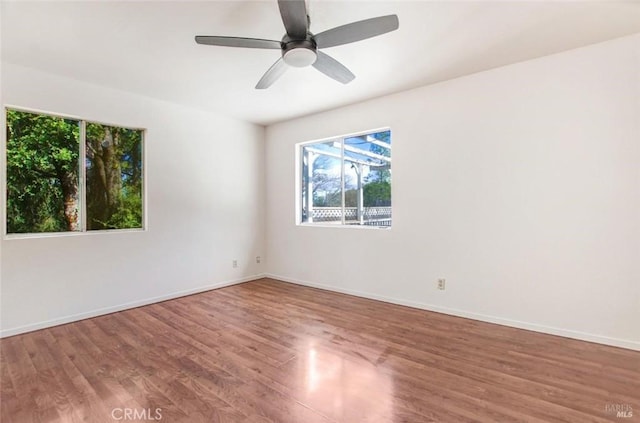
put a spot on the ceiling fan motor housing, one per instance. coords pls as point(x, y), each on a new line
point(299, 53)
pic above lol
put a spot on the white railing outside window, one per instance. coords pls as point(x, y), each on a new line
point(346, 180)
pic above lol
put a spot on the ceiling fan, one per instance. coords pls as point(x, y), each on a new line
point(299, 47)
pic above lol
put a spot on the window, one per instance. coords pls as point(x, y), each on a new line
point(70, 175)
point(347, 180)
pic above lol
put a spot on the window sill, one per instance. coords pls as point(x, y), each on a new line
point(341, 226)
point(9, 237)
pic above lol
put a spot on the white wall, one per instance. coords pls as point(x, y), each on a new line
point(519, 185)
point(205, 196)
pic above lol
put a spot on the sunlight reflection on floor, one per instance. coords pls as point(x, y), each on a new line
point(343, 387)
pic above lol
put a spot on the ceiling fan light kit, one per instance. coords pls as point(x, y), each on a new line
point(299, 54)
point(299, 47)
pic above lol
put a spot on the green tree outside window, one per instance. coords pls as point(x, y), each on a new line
point(44, 189)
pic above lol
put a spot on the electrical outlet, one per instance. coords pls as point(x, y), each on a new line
point(235, 264)
point(258, 259)
point(441, 284)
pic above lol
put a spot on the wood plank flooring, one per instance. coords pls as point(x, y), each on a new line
point(273, 352)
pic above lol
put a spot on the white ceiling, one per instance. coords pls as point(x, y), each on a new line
point(148, 47)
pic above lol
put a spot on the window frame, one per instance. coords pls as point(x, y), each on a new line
point(299, 185)
point(82, 180)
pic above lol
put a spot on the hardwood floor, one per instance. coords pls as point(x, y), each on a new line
point(272, 352)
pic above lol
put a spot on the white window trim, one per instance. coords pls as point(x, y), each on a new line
point(298, 183)
point(81, 176)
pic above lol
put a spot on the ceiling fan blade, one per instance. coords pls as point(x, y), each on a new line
point(237, 42)
point(333, 69)
point(275, 71)
point(357, 31)
point(294, 17)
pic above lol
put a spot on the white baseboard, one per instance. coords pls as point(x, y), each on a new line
point(133, 304)
point(582, 336)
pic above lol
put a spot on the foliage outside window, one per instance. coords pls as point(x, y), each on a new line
point(347, 180)
point(69, 175)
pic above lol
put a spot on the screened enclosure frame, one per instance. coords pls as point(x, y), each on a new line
point(82, 175)
point(342, 148)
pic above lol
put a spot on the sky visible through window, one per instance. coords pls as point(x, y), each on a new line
point(346, 178)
